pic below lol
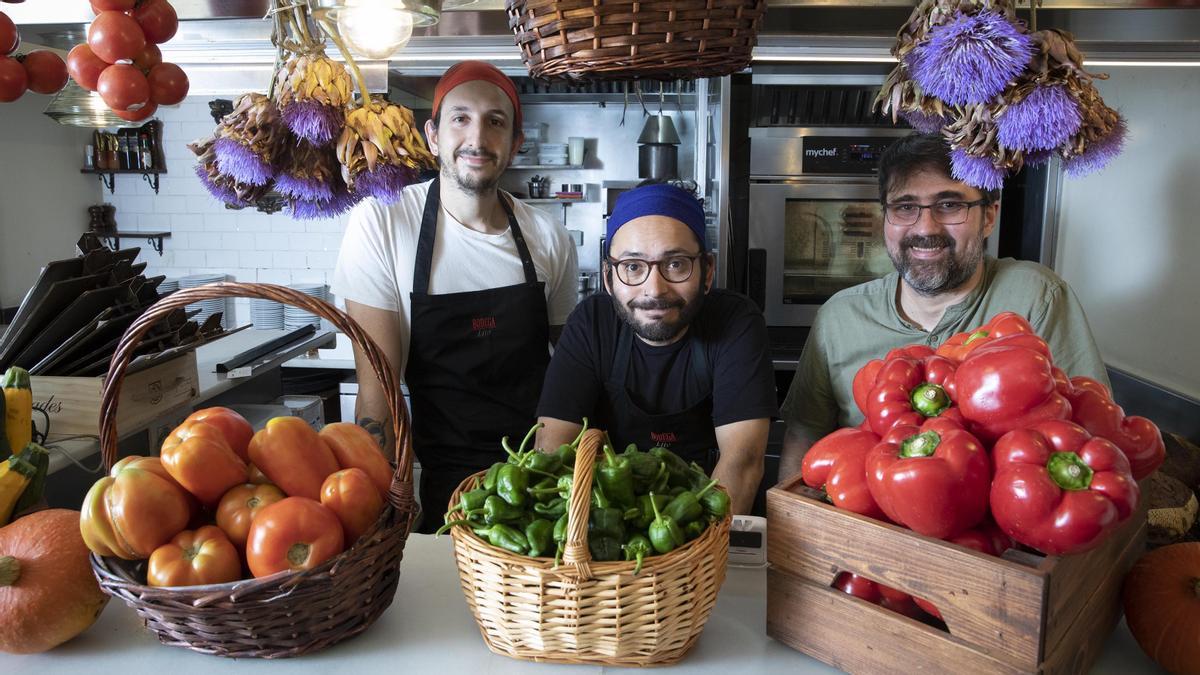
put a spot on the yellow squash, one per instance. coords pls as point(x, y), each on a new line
point(18, 408)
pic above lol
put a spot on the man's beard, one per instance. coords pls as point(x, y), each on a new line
point(471, 183)
point(661, 330)
point(931, 277)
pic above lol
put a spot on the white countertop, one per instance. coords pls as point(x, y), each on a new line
point(429, 628)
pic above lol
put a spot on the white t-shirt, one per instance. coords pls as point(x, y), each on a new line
point(375, 263)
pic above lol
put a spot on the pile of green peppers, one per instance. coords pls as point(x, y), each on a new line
point(642, 503)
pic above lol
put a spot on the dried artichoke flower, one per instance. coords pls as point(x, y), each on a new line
point(247, 140)
point(312, 92)
point(222, 187)
point(380, 150)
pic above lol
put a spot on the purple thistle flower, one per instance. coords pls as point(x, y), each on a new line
point(385, 183)
point(975, 171)
point(316, 123)
point(219, 191)
point(1098, 153)
point(241, 163)
point(308, 189)
point(970, 59)
point(923, 121)
point(1043, 120)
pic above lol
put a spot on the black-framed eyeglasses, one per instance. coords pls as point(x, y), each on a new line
point(945, 212)
point(675, 269)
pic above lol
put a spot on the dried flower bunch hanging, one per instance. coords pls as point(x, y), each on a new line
point(1002, 95)
point(307, 141)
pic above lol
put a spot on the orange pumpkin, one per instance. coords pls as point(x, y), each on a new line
point(233, 426)
point(197, 455)
point(354, 500)
point(293, 456)
point(1162, 606)
point(48, 593)
point(239, 506)
point(133, 511)
point(354, 446)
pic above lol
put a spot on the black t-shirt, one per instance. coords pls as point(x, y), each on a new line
point(734, 340)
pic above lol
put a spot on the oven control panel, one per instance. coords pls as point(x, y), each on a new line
point(842, 155)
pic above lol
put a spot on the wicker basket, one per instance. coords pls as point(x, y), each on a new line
point(290, 613)
point(585, 612)
point(629, 40)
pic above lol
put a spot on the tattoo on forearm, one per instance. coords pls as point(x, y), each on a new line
point(375, 428)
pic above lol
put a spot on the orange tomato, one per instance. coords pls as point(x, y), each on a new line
point(195, 558)
point(154, 465)
point(293, 534)
point(233, 426)
point(197, 455)
point(133, 511)
point(293, 456)
point(239, 506)
point(350, 494)
point(354, 446)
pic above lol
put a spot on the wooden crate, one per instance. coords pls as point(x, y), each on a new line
point(1021, 613)
point(73, 403)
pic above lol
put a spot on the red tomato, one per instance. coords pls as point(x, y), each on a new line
point(149, 57)
point(294, 534)
point(13, 79)
point(352, 496)
point(46, 70)
point(157, 19)
point(10, 38)
point(195, 558)
point(168, 86)
point(84, 66)
point(112, 5)
point(236, 430)
point(123, 87)
point(239, 506)
point(114, 36)
point(137, 115)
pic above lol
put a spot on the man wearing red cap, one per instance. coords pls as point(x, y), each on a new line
point(463, 288)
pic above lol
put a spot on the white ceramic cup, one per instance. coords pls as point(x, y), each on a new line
point(575, 150)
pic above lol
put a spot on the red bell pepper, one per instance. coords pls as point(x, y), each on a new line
point(987, 537)
point(1058, 488)
point(877, 594)
point(1007, 384)
point(959, 345)
point(932, 479)
point(836, 463)
point(1093, 409)
point(907, 390)
point(864, 379)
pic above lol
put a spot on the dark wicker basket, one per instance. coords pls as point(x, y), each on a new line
point(628, 40)
point(291, 613)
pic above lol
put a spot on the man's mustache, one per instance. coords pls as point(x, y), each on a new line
point(475, 152)
point(656, 303)
point(927, 241)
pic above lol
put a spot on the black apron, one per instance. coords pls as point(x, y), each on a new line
point(688, 433)
point(476, 361)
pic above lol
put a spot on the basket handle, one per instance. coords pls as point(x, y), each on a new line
point(402, 490)
point(576, 553)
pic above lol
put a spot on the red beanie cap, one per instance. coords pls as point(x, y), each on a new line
point(471, 71)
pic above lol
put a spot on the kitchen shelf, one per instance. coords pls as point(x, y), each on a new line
point(149, 175)
point(155, 239)
point(543, 167)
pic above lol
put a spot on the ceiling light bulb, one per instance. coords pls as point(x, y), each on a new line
point(373, 31)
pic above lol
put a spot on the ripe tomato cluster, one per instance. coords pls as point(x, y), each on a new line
point(40, 71)
point(121, 59)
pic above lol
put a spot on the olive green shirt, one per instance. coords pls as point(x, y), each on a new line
point(862, 323)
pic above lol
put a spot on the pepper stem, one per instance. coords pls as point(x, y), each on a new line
point(529, 435)
point(575, 443)
point(920, 445)
point(706, 488)
point(929, 399)
point(1069, 471)
point(975, 336)
point(10, 570)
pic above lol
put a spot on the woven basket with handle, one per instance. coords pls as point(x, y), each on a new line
point(628, 40)
point(585, 611)
point(291, 613)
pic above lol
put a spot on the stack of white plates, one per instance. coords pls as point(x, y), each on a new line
point(207, 307)
point(266, 314)
point(295, 317)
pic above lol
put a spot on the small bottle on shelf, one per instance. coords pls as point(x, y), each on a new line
point(144, 149)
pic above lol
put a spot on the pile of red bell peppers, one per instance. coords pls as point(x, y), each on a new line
point(985, 443)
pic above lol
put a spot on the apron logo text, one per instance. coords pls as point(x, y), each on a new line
point(663, 436)
point(483, 323)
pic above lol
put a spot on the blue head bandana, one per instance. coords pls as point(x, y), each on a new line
point(658, 200)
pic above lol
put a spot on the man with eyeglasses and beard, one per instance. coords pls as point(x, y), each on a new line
point(934, 229)
point(461, 286)
point(665, 359)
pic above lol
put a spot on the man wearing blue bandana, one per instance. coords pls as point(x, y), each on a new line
point(664, 359)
